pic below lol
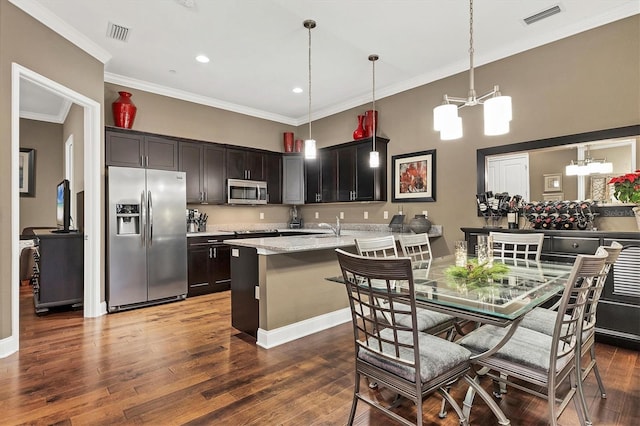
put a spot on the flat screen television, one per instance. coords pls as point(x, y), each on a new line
point(63, 206)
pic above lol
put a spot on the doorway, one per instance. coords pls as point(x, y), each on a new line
point(93, 306)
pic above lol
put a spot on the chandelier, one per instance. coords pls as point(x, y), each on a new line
point(497, 108)
point(588, 166)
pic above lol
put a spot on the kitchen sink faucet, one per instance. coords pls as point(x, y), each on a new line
point(336, 229)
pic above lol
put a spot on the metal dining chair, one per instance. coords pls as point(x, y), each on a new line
point(416, 246)
point(517, 246)
point(538, 360)
point(542, 319)
point(395, 354)
point(384, 247)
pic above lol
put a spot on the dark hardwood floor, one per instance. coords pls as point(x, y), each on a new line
point(183, 363)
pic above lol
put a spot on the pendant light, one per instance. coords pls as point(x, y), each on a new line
point(309, 144)
point(497, 108)
point(374, 156)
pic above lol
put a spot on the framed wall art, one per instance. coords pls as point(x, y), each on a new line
point(26, 172)
point(414, 177)
point(553, 182)
point(553, 196)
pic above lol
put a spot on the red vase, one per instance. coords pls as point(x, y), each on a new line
point(359, 132)
point(288, 141)
point(299, 145)
point(370, 117)
point(124, 111)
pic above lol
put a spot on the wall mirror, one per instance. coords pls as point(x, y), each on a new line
point(547, 159)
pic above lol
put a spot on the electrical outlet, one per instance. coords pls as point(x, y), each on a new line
point(341, 215)
point(261, 215)
point(385, 215)
point(317, 215)
point(425, 213)
point(366, 215)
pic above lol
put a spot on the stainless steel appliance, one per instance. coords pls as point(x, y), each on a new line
point(147, 242)
point(240, 191)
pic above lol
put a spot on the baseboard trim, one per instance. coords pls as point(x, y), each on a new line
point(8, 346)
point(271, 338)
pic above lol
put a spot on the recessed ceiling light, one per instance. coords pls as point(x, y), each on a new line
point(202, 59)
point(297, 90)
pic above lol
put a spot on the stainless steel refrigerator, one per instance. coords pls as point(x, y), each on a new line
point(147, 240)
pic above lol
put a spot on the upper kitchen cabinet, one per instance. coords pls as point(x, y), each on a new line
point(272, 166)
point(312, 180)
point(293, 191)
point(344, 174)
point(128, 148)
point(245, 164)
point(204, 166)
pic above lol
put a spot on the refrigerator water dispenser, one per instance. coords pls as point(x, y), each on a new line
point(128, 219)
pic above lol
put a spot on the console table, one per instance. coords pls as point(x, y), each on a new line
point(618, 320)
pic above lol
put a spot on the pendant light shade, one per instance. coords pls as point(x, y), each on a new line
point(310, 143)
point(497, 115)
point(374, 156)
point(497, 108)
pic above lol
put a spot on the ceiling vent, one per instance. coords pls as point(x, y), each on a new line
point(542, 15)
point(117, 32)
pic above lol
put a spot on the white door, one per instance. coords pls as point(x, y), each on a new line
point(508, 173)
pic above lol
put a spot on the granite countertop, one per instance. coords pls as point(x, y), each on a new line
point(322, 241)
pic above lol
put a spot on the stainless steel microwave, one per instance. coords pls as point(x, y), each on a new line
point(240, 191)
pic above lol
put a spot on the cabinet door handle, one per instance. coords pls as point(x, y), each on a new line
point(210, 253)
point(575, 245)
point(215, 252)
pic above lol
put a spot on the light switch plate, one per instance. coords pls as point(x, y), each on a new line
point(385, 215)
point(366, 215)
point(425, 213)
point(341, 215)
point(257, 290)
point(261, 215)
point(235, 252)
point(317, 215)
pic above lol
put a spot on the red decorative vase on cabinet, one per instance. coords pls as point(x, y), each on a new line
point(288, 141)
point(370, 117)
point(124, 111)
point(358, 133)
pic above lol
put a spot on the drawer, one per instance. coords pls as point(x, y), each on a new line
point(576, 245)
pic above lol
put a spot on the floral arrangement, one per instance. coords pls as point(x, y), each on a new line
point(626, 188)
point(477, 275)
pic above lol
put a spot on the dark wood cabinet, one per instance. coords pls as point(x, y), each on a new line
point(313, 181)
point(245, 164)
point(204, 166)
point(127, 148)
point(272, 164)
point(343, 173)
point(58, 278)
point(619, 306)
point(293, 179)
point(245, 307)
point(208, 267)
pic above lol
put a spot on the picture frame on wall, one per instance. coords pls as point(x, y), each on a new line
point(26, 172)
point(414, 177)
point(553, 182)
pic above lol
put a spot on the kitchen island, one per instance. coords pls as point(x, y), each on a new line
point(278, 288)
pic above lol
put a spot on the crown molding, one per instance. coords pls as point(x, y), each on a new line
point(59, 118)
point(44, 15)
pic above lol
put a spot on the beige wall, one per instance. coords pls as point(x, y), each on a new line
point(27, 42)
point(587, 82)
point(46, 139)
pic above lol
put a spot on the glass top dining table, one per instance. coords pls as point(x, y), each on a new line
point(525, 285)
point(499, 301)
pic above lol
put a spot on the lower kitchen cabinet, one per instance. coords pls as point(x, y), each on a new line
point(208, 268)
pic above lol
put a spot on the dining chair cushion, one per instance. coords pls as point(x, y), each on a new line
point(526, 347)
point(426, 319)
point(437, 356)
point(541, 320)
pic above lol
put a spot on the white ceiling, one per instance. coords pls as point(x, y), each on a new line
point(259, 48)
